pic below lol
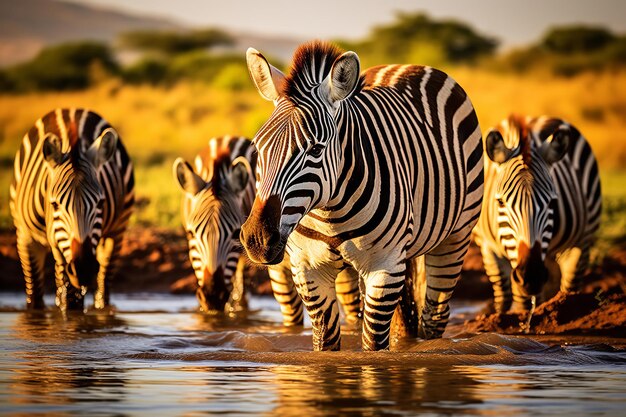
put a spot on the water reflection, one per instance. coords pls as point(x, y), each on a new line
point(183, 363)
point(49, 366)
point(370, 390)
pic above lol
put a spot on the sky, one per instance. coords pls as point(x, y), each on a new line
point(512, 22)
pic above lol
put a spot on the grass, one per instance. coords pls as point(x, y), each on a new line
point(158, 124)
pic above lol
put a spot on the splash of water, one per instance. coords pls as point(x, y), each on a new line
point(533, 303)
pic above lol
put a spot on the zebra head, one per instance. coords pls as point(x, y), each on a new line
point(213, 215)
point(298, 147)
point(524, 197)
point(75, 205)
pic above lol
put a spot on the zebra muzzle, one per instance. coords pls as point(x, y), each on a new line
point(213, 294)
point(260, 235)
point(531, 273)
point(83, 268)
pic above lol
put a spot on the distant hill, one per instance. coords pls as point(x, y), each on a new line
point(26, 26)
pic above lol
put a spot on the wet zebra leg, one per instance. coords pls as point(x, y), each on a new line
point(573, 264)
point(382, 293)
point(108, 257)
point(67, 296)
point(238, 300)
point(499, 272)
point(286, 294)
point(443, 269)
point(317, 290)
point(32, 257)
point(348, 293)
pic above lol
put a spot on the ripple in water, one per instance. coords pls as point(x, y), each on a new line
point(156, 356)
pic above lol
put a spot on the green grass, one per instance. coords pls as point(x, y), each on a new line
point(158, 196)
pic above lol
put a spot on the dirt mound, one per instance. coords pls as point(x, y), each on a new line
point(599, 313)
point(153, 259)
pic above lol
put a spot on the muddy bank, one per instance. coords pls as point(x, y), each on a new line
point(153, 260)
point(599, 309)
point(156, 260)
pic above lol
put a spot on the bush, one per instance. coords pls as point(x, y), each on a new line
point(146, 71)
point(447, 40)
point(172, 43)
point(62, 67)
point(576, 39)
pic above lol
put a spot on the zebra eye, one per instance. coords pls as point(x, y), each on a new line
point(55, 205)
point(316, 150)
point(501, 202)
point(189, 234)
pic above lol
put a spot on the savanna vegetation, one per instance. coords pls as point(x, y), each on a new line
point(181, 91)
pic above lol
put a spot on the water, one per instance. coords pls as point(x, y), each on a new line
point(156, 356)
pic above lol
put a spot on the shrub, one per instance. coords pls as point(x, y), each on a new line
point(62, 67)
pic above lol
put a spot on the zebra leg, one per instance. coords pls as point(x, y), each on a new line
point(348, 293)
point(286, 295)
point(67, 297)
point(443, 269)
point(573, 263)
point(383, 289)
point(238, 301)
point(498, 270)
point(405, 320)
point(107, 254)
point(317, 290)
point(32, 257)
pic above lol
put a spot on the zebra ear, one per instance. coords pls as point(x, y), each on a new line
point(556, 146)
point(344, 77)
point(495, 147)
point(239, 174)
point(267, 79)
point(51, 149)
point(189, 181)
point(103, 148)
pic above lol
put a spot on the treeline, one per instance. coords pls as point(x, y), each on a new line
point(164, 58)
point(168, 57)
point(567, 51)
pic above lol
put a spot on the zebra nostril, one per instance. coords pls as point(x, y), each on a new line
point(273, 239)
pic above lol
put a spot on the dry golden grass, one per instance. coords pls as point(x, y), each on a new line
point(594, 103)
point(158, 124)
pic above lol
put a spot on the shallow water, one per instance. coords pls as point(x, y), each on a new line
point(156, 356)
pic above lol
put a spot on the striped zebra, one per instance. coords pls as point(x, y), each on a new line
point(72, 194)
point(219, 192)
point(541, 208)
point(370, 171)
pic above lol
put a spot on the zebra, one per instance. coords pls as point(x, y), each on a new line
point(541, 208)
point(218, 194)
point(72, 194)
point(371, 171)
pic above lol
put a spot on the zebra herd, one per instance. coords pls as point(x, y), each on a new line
point(362, 189)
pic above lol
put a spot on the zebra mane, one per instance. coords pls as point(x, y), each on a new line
point(519, 125)
point(311, 63)
point(214, 170)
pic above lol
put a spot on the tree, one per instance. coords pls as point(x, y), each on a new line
point(172, 43)
point(61, 67)
point(400, 41)
point(576, 38)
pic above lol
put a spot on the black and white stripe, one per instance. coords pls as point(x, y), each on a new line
point(368, 170)
point(541, 208)
point(72, 192)
point(219, 192)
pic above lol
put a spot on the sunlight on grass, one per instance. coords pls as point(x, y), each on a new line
point(158, 124)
